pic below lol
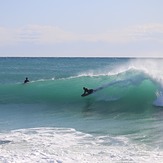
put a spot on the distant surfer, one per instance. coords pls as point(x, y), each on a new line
point(26, 80)
point(87, 91)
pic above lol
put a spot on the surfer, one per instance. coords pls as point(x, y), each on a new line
point(87, 91)
point(26, 80)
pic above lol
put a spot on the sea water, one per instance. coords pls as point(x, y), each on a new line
point(47, 120)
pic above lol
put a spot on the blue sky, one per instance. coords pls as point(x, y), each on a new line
point(88, 28)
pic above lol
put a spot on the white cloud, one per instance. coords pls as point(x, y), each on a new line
point(7, 36)
point(148, 32)
point(137, 33)
point(50, 35)
point(45, 34)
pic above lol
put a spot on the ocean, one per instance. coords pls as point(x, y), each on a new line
point(47, 120)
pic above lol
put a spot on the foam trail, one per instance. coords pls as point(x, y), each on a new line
point(106, 85)
point(124, 82)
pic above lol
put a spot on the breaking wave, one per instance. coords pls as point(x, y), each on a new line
point(126, 87)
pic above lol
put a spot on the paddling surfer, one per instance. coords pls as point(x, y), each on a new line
point(26, 80)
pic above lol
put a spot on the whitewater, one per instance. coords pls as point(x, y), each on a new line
point(47, 120)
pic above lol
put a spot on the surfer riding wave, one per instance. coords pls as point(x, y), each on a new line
point(87, 91)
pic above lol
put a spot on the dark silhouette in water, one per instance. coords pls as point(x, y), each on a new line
point(26, 80)
point(87, 91)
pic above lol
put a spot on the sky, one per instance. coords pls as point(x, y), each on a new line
point(81, 28)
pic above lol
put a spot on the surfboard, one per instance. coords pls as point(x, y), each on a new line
point(86, 94)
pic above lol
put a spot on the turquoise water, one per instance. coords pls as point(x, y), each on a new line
point(125, 111)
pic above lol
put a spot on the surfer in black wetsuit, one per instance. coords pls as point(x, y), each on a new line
point(87, 91)
point(26, 80)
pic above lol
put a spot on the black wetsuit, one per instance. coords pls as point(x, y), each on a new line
point(26, 80)
point(87, 91)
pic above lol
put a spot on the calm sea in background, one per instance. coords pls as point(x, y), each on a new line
point(47, 120)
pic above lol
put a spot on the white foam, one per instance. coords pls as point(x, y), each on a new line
point(151, 67)
point(159, 99)
point(57, 145)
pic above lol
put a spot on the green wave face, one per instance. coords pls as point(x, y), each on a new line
point(130, 90)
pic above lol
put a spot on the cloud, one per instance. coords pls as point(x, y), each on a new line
point(38, 34)
point(45, 34)
point(147, 32)
point(7, 36)
point(132, 34)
